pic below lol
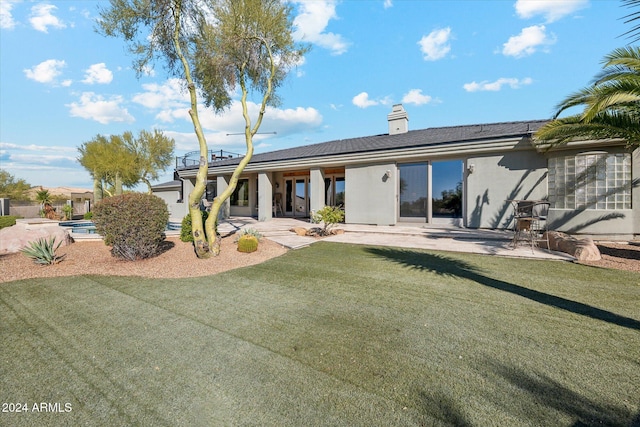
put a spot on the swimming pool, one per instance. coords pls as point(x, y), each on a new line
point(88, 227)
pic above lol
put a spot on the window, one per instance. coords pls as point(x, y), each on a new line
point(240, 196)
point(590, 181)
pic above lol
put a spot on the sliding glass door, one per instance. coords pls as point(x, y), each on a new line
point(413, 192)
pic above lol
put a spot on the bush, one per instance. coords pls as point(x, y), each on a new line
point(43, 251)
point(8, 221)
point(133, 224)
point(186, 231)
point(88, 215)
point(329, 216)
point(247, 243)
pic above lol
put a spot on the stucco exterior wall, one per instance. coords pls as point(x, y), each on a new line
point(177, 211)
point(265, 196)
point(495, 180)
point(370, 197)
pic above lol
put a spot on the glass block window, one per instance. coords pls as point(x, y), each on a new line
point(590, 181)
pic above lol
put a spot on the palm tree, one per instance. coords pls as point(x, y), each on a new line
point(634, 19)
point(611, 105)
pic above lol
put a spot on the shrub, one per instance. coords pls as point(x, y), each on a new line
point(43, 251)
point(8, 221)
point(329, 216)
point(88, 215)
point(133, 224)
point(68, 211)
point(247, 243)
point(186, 231)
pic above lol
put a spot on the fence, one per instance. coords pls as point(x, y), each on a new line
point(30, 209)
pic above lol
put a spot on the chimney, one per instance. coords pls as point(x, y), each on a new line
point(398, 120)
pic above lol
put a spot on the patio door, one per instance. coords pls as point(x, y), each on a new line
point(414, 197)
point(296, 196)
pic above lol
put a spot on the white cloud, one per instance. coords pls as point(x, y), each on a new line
point(46, 71)
point(388, 4)
point(435, 45)
point(6, 18)
point(98, 73)
point(415, 97)
point(527, 42)
point(42, 17)
point(362, 100)
point(312, 21)
point(165, 97)
point(485, 85)
point(95, 107)
point(148, 71)
point(217, 127)
point(552, 10)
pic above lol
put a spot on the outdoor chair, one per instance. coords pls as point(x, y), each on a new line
point(277, 204)
point(540, 213)
point(530, 222)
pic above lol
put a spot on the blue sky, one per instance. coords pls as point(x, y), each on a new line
point(448, 62)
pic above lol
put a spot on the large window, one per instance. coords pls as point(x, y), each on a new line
point(240, 196)
point(413, 190)
point(590, 181)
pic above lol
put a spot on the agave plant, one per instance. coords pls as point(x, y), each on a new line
point(43, 251)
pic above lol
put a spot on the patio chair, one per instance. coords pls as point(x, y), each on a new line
point(540, 213)
point(277, 204)
point(523, 222)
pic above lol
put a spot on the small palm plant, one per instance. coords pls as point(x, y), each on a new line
point(43, 251)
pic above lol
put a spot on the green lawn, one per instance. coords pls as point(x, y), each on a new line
point(332, 334)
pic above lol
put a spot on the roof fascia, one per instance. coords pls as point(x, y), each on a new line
point(460, 149)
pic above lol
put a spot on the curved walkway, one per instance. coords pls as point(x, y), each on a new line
point(490, 242)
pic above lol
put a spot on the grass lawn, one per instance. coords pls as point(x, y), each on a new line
point(333, 334)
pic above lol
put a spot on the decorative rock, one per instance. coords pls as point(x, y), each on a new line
point(19, 236)
point(583, 249)
point(300, 231)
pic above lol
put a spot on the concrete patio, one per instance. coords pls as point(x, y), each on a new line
point(442, 238)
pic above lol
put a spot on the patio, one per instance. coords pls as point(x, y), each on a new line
point(418, 236)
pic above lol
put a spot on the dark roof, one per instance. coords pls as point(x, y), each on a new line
point(166, 185)
point(417, 138)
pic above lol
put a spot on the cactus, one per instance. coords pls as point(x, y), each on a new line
point(247, 243)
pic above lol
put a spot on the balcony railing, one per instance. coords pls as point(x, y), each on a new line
point(192, 159)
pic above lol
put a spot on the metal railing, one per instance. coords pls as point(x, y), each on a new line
point(192, 158)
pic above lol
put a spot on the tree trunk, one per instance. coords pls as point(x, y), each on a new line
point(97, 190)
point(118, 184)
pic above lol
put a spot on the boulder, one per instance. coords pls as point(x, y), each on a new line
point(583, 249)
point(19, 236)
point(300, 231)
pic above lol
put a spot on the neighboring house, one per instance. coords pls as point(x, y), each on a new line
point(389, 179)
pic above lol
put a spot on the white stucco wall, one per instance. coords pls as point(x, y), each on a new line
point(370, 197)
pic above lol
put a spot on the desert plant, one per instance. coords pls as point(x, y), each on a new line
point(133, 224)
point(67, 210)
point(249, 232)
point(43, 251)
point(247, 243)
point(186, 233)
point(88, 215)
point(329, 216)
point(48, 212)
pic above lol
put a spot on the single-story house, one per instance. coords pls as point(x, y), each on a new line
point(389, 179)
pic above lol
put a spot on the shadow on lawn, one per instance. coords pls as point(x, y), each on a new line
point(444, 265)
point(552, 394)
